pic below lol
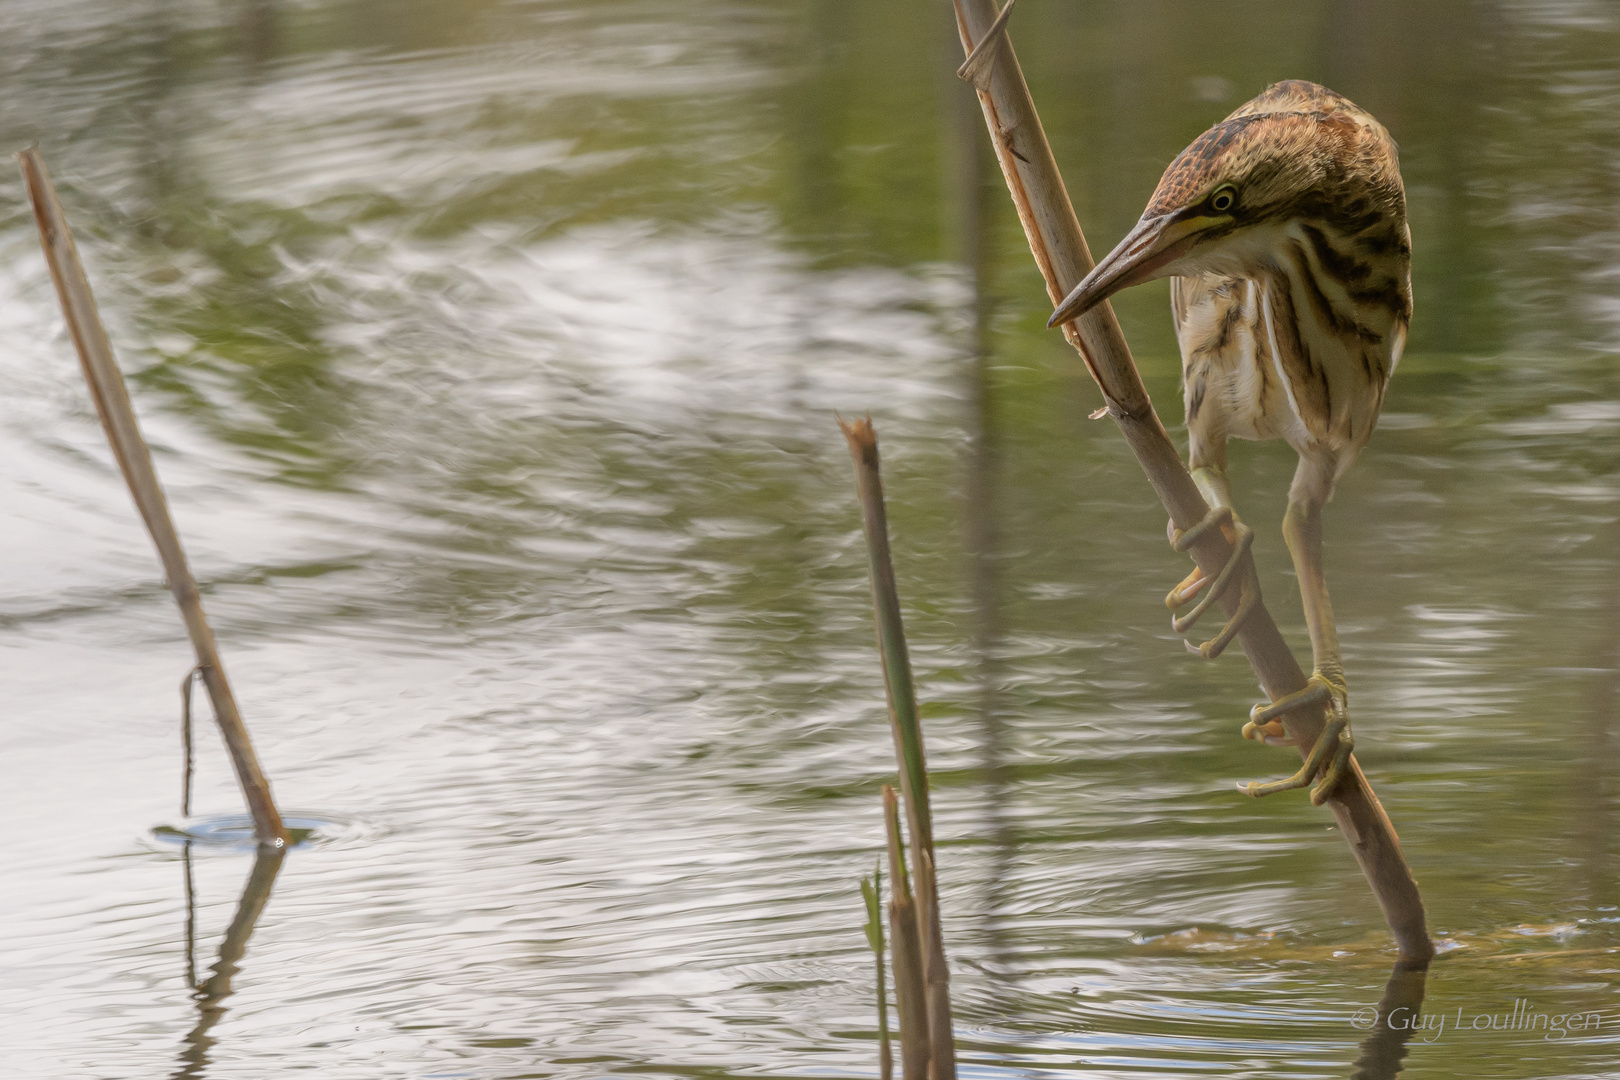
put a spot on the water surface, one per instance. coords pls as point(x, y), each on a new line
point(490, 353)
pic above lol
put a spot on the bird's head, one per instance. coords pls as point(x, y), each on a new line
point(1297, 153)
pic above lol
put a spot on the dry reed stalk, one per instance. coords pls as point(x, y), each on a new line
point(135, 460)
point(872, 894)
point(935, 974)
point(1060, 250)
point(910, 999)
point(908, 743)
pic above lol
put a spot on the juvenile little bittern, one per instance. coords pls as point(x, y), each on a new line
point(1283, 231)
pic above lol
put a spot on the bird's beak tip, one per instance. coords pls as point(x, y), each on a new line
point(1076, 304)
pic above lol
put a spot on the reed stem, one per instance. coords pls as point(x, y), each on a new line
point(1060, 250)
point(135, 460)
point(908, 741)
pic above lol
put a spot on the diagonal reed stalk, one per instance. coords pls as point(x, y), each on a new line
point(872, 894)
point(135, 460)
point(1060, 250)
point(908, 747)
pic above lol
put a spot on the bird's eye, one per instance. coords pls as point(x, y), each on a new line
point(1223, 200)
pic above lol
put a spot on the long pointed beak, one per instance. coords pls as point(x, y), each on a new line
point(1147, 249)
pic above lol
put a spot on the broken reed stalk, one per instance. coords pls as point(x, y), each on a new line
point(908, 744)
point(872, 894)
point(135, 460)
point(910, 999)
point(1060, 250)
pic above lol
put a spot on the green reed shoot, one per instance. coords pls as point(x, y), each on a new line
point(871, 893)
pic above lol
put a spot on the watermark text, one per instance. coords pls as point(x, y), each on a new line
point(1522, 1017)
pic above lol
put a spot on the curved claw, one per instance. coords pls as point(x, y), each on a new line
point(1189, 587)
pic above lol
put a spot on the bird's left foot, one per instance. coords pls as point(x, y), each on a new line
point(1330, 756)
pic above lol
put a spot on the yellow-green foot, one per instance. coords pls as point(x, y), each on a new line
point(1238, 568)
point(1330, 756)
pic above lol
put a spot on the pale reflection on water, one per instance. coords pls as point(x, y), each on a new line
point(490, 353)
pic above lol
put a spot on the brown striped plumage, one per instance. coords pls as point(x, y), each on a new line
point(1283, 230)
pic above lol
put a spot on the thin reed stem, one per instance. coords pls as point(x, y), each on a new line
point(872, 894)
point(1060, 250)
point(135, 460)
point(187, 764)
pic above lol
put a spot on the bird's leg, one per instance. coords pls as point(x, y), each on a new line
point(1302, 529)
point(1240, 567)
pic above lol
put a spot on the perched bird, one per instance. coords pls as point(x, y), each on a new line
point(1283, 230)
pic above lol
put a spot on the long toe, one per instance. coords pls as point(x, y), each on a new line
point(1239, 569)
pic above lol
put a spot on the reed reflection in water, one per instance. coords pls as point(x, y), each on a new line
point(211, 993)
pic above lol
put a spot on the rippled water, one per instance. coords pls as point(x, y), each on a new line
point(490, 353)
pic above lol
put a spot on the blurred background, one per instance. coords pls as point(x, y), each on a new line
point(490, 350)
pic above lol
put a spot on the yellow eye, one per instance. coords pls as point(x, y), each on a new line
point(1223, 199)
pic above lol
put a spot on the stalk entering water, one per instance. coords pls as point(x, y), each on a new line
point(135, 460)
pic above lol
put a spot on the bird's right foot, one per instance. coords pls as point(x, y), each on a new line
point(1329, 759)
point(1239, 567)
